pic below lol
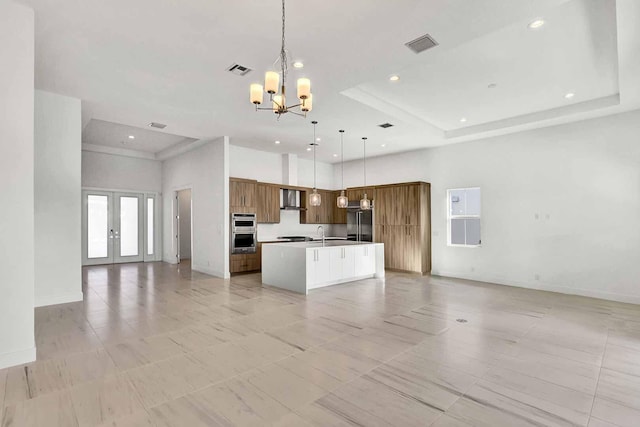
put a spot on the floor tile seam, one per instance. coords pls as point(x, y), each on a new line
point(224, 380)
point(359, 376)
point(568, 389)
point(595, 392)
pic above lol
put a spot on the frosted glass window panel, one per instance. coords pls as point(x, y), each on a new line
point(472, 228)
point(150, 226)
point(129, 226)
point(472, 198)
point(97, 226)
point(458, 232)
point(457, 202)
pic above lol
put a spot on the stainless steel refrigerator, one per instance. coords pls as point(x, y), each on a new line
point(360, 223)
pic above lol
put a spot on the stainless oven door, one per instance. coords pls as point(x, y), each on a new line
point(243, 242)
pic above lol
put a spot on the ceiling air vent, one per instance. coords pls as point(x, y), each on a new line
point(421, 43)
point(385, 125)
point(239, 70)
point(157, 125)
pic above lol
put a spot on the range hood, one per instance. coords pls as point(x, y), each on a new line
point(290, 200)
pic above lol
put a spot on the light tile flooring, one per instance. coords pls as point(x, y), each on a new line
point(159, 345)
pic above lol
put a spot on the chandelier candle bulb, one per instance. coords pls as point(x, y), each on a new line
point(256, 94)
point(307, 104)
point(304, 88)
point(271, 82)
point(278, 102)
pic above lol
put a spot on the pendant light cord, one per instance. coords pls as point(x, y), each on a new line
point(283, 52)
point(342, 157)
point(314, 152)
point(364, 160)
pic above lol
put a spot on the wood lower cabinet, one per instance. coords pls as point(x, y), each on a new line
point(240, 263)
point(268, 204)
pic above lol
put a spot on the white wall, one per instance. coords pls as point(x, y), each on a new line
point(267, 167)
point(16, 184)
point(206, 171)
point(58, 274)
point(254, 164)
point(582, 180)
point(184, 209)
point(113, 172)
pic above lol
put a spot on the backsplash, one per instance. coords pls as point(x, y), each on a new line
point(290, 226)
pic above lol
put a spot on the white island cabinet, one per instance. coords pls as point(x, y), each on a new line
point(302, 266)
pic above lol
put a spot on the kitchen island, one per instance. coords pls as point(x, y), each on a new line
point(302, 266)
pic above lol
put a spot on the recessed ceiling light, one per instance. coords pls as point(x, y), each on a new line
point(394, 78)
point(298, 64)
point(463, 120)
point(383, 145)
point(492, 85)
point(132, 137)
point(277, 142)
point(570, 95)
point(536, 24)
point(335, 155)
point(308, 148)
point(318, 139)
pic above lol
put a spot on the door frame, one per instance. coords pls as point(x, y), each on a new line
point(176, 221)
point(157, 219)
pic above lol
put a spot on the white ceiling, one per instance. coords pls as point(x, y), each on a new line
point(161, 60)
point(99, 132)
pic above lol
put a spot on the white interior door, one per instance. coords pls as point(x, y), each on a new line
point(97, 227)
point(128, 227)
point(117, 227)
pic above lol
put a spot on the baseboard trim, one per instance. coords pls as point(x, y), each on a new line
point(58, 299)
point(17, 357)
point(209, 271)
point(609, 296)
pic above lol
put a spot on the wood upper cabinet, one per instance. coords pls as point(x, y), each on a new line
point(339, 214)
point(242, 195)
point(267, 203)
point(322, 214)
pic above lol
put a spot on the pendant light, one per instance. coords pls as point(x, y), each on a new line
point(342, 200)
point(365, 204)
point(314, 197)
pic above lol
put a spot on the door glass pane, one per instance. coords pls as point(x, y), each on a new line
point(128, 226)
point(149, 226)
point(97, 226)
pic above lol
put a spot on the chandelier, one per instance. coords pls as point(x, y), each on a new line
point(277, 91)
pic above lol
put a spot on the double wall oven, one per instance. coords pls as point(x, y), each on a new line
point(243, 233)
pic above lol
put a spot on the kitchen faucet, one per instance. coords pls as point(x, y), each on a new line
point(321, 228)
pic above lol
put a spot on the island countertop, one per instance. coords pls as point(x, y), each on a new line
point(318, 244)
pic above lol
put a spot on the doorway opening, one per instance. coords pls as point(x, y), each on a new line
point(184, 235)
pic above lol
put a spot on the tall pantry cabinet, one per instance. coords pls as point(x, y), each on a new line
point(403, 224)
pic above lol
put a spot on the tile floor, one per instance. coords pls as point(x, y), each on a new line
point(159, 345)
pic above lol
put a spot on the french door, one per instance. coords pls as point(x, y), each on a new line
point(117, 227)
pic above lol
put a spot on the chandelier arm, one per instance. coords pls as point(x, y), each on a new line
point(298, 114)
